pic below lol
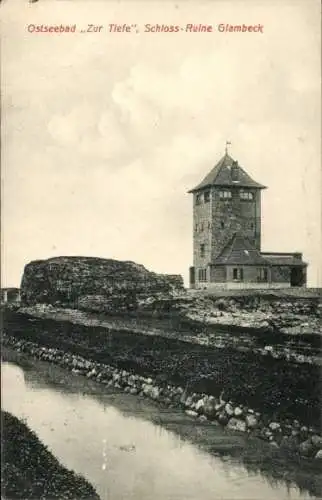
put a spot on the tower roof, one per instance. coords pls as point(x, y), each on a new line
point(239, 250)
point(227, 172)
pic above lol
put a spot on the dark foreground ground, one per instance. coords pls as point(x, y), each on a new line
point(30, 471)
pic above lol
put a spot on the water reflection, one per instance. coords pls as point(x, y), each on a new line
point(110, 440)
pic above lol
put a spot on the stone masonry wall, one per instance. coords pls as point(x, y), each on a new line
point(201, 233)
point(234, 215)
point(69, 280)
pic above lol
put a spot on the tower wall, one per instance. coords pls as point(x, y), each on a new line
point(215, 222)
point(202, 232)
point(234, 214)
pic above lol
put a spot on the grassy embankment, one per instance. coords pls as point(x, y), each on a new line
point(275, 387)
point(30, 471)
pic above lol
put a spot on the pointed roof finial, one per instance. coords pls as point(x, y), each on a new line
point(228, 143)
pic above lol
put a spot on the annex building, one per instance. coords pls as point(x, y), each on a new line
point(227, 235)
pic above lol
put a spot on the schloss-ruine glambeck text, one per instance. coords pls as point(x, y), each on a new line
point(146, 28)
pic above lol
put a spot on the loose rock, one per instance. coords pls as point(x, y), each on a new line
point(236, 424)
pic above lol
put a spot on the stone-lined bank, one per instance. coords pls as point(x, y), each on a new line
point(290, 437)
point(275, 387)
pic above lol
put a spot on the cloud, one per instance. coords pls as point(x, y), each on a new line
point(104, 135)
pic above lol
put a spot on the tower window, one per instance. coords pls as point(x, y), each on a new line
point(252, 225)
point(202, 226)
point(198, 199)
point(222, 224)
point(196, 227)
point(206, 196)
point(224, 195)
point(238, 274)
point(209, 225)
point(202, 274)
point(202, 250)
point(245, 195)
point(262, 274)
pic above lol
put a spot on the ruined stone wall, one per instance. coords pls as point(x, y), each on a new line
point(68, 281)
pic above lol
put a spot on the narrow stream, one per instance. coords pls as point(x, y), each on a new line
point(109, 439)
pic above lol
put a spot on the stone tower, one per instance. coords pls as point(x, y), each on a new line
point(226, 203)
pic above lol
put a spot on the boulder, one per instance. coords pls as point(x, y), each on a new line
point(268, 434)
point(274, 426)
point(316, 440)
point(318, 455)
point(91, 374)
point(304, 432)
point(306, 448)
point(210, 408)
point(131, 380)
point(236, 424)
point(251, 421)
point(287, 430)
point(202, 418)
point(155, 393)
point(200, 405)
point(238, 411)
point(223, 418)
point(219, 407)
point(188, 402)
point(147, 389)
point(229, 409)
point(195, 397)
point(191, 413)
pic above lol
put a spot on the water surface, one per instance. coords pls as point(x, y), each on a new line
point(114, 442)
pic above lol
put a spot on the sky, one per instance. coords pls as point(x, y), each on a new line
point(104, 133)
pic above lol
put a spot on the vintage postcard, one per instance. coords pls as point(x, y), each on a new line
point(161, 273)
